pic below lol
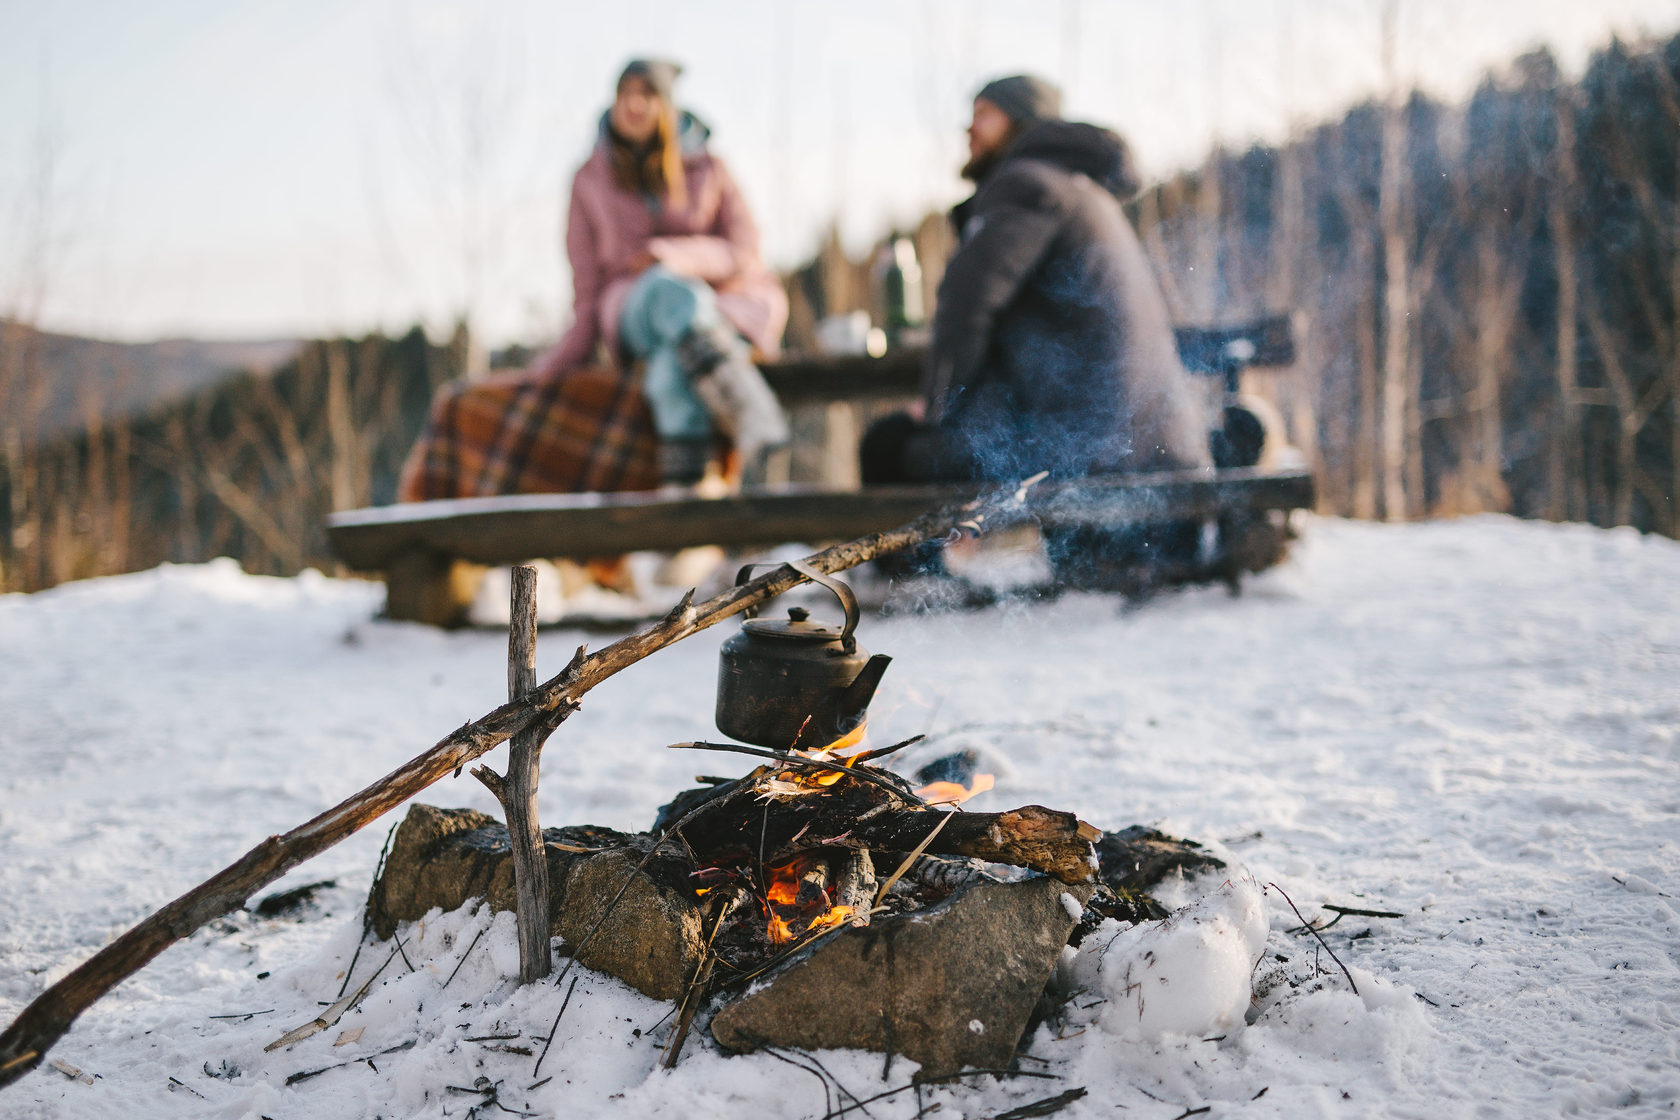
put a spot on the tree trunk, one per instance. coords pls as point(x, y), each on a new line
point(1365, 437)
point(1396, 361)
point(1566, 498)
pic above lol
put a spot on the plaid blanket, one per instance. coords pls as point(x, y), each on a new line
point(519, 434)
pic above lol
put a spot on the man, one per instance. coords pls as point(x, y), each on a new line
point(1052, 348)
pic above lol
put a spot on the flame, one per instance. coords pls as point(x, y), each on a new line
point(851, 739)
point(836, 915)
point(782, 931)
point(783, 892)
point(796, 906)
point(954, 793)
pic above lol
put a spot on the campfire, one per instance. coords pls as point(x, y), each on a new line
point(760, 904)
point(816, 840)
point(820, 899)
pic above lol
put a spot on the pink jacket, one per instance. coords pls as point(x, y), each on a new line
point(713, 239)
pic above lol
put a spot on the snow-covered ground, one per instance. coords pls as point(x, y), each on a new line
point(1473, 723)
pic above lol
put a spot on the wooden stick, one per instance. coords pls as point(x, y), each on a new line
point(530, 866)
point(915, 854)
point(25, 1042)
point(797, 762)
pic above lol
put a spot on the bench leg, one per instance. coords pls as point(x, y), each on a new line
point(429, 587)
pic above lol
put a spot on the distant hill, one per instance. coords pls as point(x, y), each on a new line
point(123, 379)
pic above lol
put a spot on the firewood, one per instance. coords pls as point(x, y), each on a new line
point(853, 813)
point(909, 861)
point(25, 1042)
point(1032, 836)
point(854, 886)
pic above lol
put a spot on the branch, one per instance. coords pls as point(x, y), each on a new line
point(49, 1016)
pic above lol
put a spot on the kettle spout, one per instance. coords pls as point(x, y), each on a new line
point(854, 702)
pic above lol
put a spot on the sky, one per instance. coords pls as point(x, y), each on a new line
point(235, 170)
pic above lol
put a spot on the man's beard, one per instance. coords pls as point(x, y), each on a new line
point(978, 167)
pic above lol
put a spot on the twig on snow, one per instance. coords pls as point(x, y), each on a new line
point(1312, 930)
point(463, 959)
point(1353, 912)
point(1049, 1105)
point(305, 1075)
point(556, 1027)
point(72, 1072)
point(176, 1083)
point(334, 1013)
point(917, 1084)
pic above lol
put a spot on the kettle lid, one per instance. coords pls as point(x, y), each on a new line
point(798, 626)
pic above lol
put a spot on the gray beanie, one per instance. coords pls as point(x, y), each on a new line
point(1024, 98)
point(656, 72)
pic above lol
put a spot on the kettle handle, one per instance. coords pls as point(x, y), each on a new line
point(848, 601)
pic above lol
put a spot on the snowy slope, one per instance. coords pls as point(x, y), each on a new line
point(1474, 723)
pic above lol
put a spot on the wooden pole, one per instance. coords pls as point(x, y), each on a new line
point(518, 790)
point(25, 1042)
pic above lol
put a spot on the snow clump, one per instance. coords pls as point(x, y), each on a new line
point(1187, 975)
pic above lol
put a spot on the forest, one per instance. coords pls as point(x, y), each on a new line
point(1485, 295)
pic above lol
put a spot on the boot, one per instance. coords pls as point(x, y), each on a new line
point(734, 391)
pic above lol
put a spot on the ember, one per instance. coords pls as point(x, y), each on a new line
point(787, 853)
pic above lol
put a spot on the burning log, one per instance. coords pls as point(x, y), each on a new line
point(1045, 840)
point(833, 805)
point(855, 887)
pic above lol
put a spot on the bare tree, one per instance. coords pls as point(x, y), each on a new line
point(1398, 391)
point(1639, 352)
point(35, 230)
point(1566, 498)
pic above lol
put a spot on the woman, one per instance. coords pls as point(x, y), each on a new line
point(666, 270)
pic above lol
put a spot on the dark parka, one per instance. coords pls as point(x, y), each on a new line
point(1052, 348)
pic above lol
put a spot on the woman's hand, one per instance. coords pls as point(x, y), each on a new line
point(640, 263)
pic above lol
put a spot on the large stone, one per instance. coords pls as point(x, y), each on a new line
point(947, 987)
point(445, 857)
point(651, 938)
point(440, 857)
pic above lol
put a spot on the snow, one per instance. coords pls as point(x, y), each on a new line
point(1188, 975)
point(1473, 723)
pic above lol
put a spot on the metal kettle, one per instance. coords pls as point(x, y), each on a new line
point(797, 681)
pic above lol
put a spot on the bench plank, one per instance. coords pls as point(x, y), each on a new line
point(523, 526)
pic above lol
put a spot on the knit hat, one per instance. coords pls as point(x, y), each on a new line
point(1023, 98)
point(656, 72)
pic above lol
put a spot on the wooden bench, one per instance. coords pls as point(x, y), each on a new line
point(420, 546)
point(428, 550)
